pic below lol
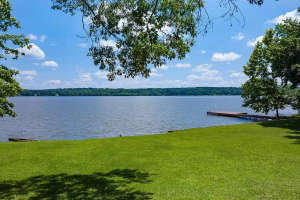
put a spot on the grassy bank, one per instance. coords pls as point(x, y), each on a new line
point(248, 161)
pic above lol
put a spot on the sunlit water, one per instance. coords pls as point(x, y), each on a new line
point(53, 118)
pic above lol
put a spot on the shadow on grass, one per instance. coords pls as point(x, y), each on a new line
point(292, 124)
point(114, 185)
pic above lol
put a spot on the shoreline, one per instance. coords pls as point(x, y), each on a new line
point(159, 133)
point(139, 135)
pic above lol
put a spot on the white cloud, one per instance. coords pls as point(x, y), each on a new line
point(101, 74)
point(252, 43)
point(202, 68)
point(207, 79)
point(108, 43)
point(85, 77)
point(292, 14)
point(239, 36)
point(203, 52)
point(207, 73)
point(221, 57)
point(50, 63)
point(193, 80)
point(192, 77)
point(27, 75)
point(82, 45)
point(163, 67)
point(54, 82)
point(183, 65)
point(28, 72)
point(32, 37)
point(43, 38)
point(143, 83)
point(30, 78)
point(34, 51)
point(154, 74)
point(238, 75)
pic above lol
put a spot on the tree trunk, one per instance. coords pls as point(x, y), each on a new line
point(277, 114)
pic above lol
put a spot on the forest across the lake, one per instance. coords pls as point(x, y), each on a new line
point(195, 91)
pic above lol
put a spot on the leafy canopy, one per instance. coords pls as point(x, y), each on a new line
point(262, 91)
point(9, 87)
point(274, 69)
point(129, 36)
point(283, 46)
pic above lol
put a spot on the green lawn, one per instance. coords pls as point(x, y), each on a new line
point(248, 161)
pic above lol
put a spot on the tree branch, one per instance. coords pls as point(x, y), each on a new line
point(94, 15)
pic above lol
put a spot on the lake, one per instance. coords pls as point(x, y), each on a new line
point(76, 118)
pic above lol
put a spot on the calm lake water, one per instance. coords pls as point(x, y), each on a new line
point(55, 118)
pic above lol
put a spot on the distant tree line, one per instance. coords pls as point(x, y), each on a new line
point(195, 91)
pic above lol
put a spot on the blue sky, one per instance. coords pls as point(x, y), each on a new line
point(58, 57)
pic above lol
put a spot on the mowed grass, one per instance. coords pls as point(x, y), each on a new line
point(248, 161)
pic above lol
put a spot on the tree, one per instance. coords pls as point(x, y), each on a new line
point(129, 37)
point(274, 69)
point(262, 92)
point(9, 87)
point(283, 45)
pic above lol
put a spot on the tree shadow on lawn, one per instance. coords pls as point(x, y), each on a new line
point(114, 185)
point(292, 124)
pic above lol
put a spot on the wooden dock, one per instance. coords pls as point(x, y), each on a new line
point(20, 140)
point(241, 115)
